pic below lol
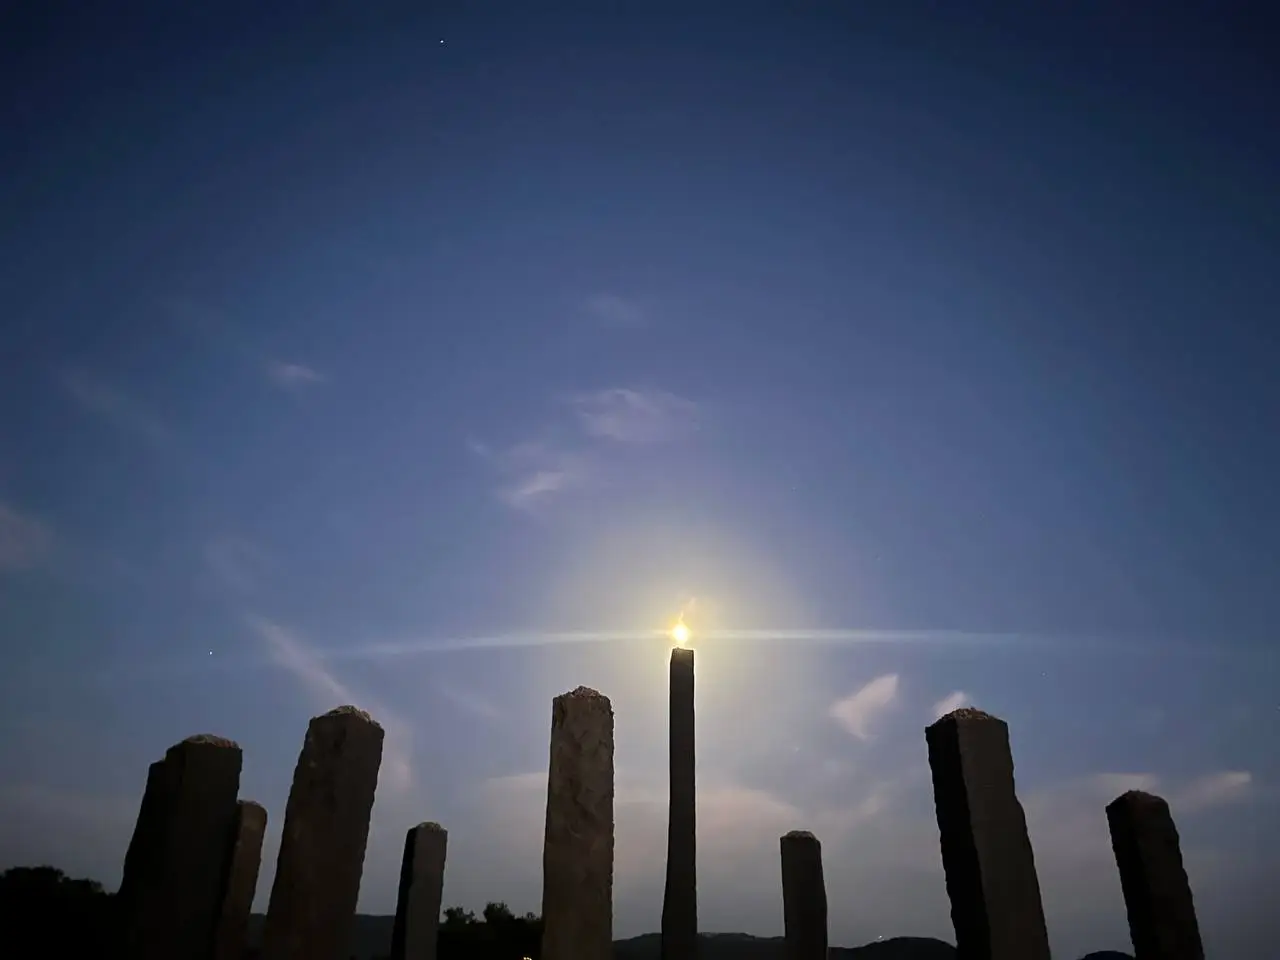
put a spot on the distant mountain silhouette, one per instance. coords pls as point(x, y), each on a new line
point(371, 938)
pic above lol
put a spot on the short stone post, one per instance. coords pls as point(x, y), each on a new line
point(986, 852)
point(577, 854)
point(244, 858)
point(326, 829)
point(417, 925)
point(804, 897)
point(176, 862)
point(1157, 893)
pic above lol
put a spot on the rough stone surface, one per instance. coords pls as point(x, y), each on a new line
point(679, 939)
point(1157, 893)
point(804, 897)
point(577, 854)
point(986, 852)
point(417, 924)
point(326, 830)
point(244, 858)
point(176, 861)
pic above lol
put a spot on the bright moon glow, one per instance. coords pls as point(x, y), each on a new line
point(680, 634)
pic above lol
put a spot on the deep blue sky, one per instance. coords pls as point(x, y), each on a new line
point(342, 363)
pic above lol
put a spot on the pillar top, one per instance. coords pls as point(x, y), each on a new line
point(431, 827)
point(798, 835)
point(349, 711)
point(208, 739)
point(964, 715)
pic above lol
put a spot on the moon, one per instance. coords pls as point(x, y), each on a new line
point(680, 634)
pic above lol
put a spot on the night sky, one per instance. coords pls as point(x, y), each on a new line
point(437, 357)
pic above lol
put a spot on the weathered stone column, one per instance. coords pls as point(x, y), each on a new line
point(577, 853)
point(1157, 894)
point(326, 829)
point(986, 853)
point(804, 897)
point(417, 925)
point(680, 895)
point(244, 858)
point(174, 868)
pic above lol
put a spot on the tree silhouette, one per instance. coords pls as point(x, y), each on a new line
point(43, 912)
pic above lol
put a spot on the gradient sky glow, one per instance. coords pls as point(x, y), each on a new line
point(919, 354)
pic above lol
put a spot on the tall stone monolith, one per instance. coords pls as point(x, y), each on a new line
point(577, 853)
point(326, 828)
point(680, 895)
point(417, 924)
point(804, 897)
point(240, 880)
point(176, 862)
point(1157, 893)
point(986, 852)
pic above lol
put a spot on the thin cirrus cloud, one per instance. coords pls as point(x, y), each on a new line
point(289, 651)
point(610, 310)
point(856, 712)
point(25, 542)
point(634, 416)
point(293, 376)
point(114, 406)
point(952, 701)
point(577, 449)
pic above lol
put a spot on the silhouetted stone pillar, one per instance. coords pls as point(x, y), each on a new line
point(1157, 894)
point(326, 829)
point(986, 852)
point(244, 858)
point(680, 895)
point(175, 865)
point(577, 853)
point(417, 925)
point(804, 897)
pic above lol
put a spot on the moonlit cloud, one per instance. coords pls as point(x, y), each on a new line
point(114, 407)
point(293, 376)
point(634, 416)
point(952, 701)
point(856, 711)
point(25, 542)
point(1212, 790)
point(290, 652)
point(614, 311)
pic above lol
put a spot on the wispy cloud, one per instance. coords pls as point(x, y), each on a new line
point(627, 415)
point(952, 701)
point(293, 654)
point(1212, 790)
point(533, 472)
point(610, 310)
point(25, 542)
point(235, 563)
point(575, 453)
point(293, 376)
point(468, 701)
point(856, 711)
point(113, 406)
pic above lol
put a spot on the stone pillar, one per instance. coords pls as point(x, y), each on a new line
point(326, 829)
point(1157, 894)
point(417, 925)
point(804, 897)
point(175, 865)
point(986, 853)
point(577, 853)
point(680, 896)
point(244, 858)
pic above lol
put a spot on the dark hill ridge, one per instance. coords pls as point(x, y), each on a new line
point(372, 938)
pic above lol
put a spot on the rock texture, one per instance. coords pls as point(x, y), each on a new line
point(176, 862)
point(240, 881)
point(577, 855)
point(680, 895)
point(417, 924)
point(326, 829)
point(986, 852)
point(804, 897)
point(1157, 893)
